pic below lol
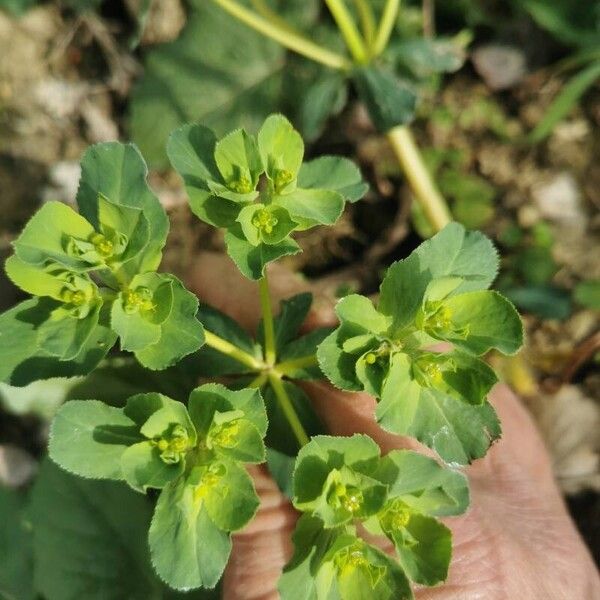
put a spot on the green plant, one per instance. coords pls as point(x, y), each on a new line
point(575, 25)
point(94, 277)
point(387, 71)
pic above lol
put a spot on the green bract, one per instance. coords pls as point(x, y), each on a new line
point(93, 277)
point(194, 454)
point(437, 294)
point(259, 189)
point(340, 482)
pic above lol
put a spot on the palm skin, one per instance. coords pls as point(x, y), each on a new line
point(516, 542)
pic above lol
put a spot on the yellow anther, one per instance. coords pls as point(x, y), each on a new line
point(264, 221)
point(395, 517)
point(227, 435)
point(162, 445)
point(371, 358)
point(103, 246)
point(352, 503)
point(349, 498)
point(139, 299)
point(243, 185)
point(281, 178)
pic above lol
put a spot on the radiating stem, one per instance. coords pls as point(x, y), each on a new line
point(288, 409)
point(229, 349)
point(386, 26)
point(259, 380)
point(433, 204)
point(268, 13)
point(293, 41)
point(367, 22)
point(267, 315)
point(289, 366)
point(348, 29)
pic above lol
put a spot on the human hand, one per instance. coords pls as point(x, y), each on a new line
point(517, 540)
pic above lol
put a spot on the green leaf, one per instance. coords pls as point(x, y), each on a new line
point(281, 469)
point(38, 281)
point(252, 260)
point(218, 72)
point(292, 314)
point(40, 398)
point(63, 334)
point(565, 102)
point(90, 539)
point(118, 173)
point(232, 502)
point(314, 93)
point(210, 362)
point(301, 354)
point(239, 161)
point(143, 467)
point(213, 397)
point(312, 207)
point(171, 413)
point(21, 362)
point(280, 435)
point(139, 311)
point(390, 102)
point(423, 484)
point(587, 293)
point(16, 561)
point(452, 253)
point(180, 333)
point(47, 234)
point(333, 173)
point(426, 57)
point(181, 527)
point(281, 149)
point(424, 548)
point(359, 312)
point(546, 301)
point(338, 366)
point(569, 22)
point(376, 576)
point(191, 151)
point(88, 438)
point(489, 320)
point(311, 542)
point(457, 431)
point(332, 481)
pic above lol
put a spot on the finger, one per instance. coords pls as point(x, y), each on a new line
point(262, 549)
point(216, 281)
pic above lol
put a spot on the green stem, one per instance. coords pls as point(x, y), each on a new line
point(259, 381)
point(290, 40)
point(267, 315)
point(289, 366)
point(268, 13)
point(229, 349)
point(288, 409)
point(367, 22)
point(432, 202)
point(348, 29)
point(386, 26)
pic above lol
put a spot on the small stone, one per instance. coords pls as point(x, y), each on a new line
point(559, 199)
point(17, 467)
point(500, 66)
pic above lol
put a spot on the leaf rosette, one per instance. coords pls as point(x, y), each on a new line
point(92, 277)
point(342, 482)
point(259, 189)
point(438, 294)
point(194, 454)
